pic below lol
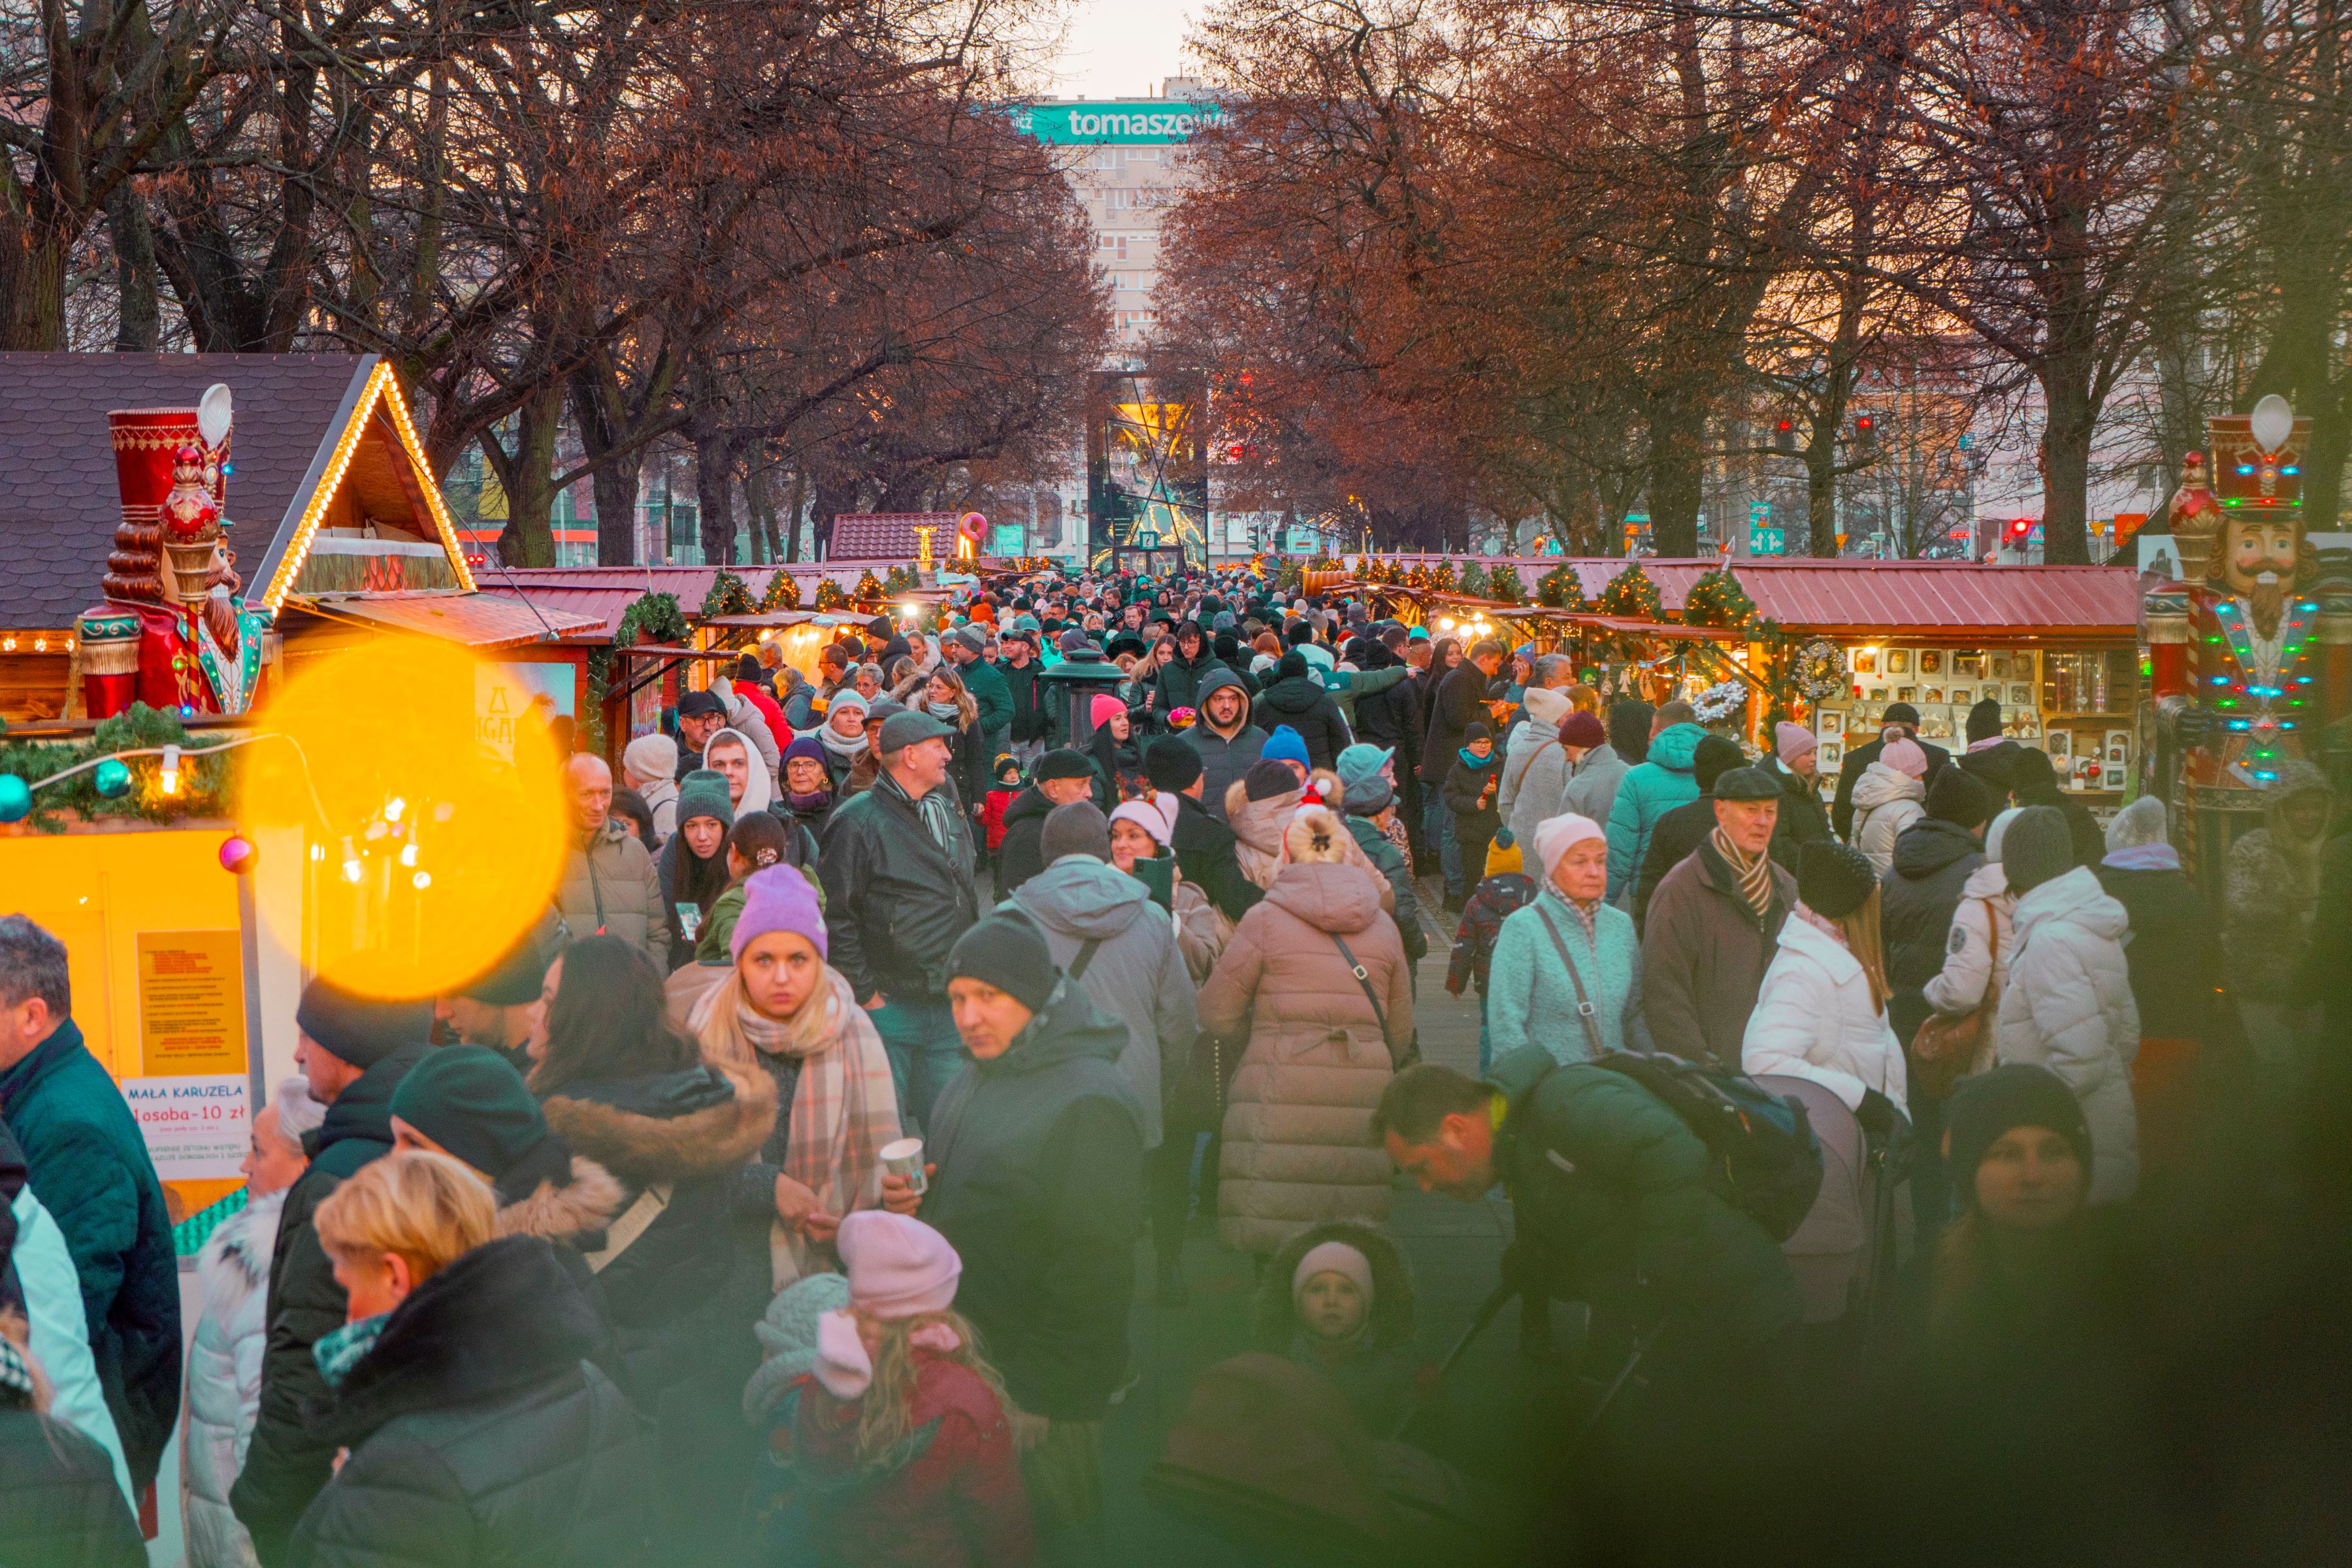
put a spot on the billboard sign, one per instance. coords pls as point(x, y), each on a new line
point(1135, 123)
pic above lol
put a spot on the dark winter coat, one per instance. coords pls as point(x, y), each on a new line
point(1391, 718)
point(1032, 718)
point(1995, 766)
point(680, 1299)
point(1471, 791)
point(1677, 833)
point(1020, 856)
point(1301, 702)
point(1933, 860)
point(1802, 820)
point(59, 1504)
point(1375, 1369)
point(993, 694)
point(1040, 1188)
point(1205, 856)
point(894, 900)
point(86, 1160)
point(2090, 840)
point(284, 1465)
point(1857, 762)
point(1611, 1205)
point(1388, 860)
point(1494, 900)
point(2176, 964)
point(1222, 759)
point(1179, 681)
point(1703, 954)
point(479, 1433)
point(1461, 696)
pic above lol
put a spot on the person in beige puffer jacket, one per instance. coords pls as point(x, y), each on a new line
point(1297, 1130)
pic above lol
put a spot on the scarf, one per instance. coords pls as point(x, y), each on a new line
point(844, 1110)
point(1588, 914)
point(1474, 762)
point(938, 816)
point(839, 749)
point(2144, 858)
point(815, 800)
point(946, 713)
point(340, 1350)
point(1755, 876)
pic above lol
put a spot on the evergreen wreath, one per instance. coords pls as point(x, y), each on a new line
point(784, 593)
point(1561, 589)
point(1632, 594)
point(729, 596)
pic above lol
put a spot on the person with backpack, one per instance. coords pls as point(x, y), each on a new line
point(1614, 1205)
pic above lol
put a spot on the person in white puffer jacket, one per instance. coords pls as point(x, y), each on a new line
point(1821, 1013)
point(2068, 1003)
point(1976, 955)
point(224, 1359)
point(1891, 794)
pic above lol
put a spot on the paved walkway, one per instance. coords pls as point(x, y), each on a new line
point(1452, 1249)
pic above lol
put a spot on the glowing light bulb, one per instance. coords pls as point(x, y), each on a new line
point(353, 869)
point(409, 853)
point(421, 880)
point(168, 781)
point(393, 807)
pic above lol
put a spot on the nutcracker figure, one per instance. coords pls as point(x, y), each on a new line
point(173, 632)
point(2250, 660)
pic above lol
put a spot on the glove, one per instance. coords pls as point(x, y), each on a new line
point(1877, 1115)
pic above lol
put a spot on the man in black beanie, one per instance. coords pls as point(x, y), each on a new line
point(1061, 776)
point(1204, 845)
point(1036, 1156)
point(500, 1008)
point(1991, 755)
point(2035, 783)
point(353, 1050)
point(1899, 715)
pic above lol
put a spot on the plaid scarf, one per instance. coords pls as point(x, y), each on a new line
point(1755, 877)
point(938, 816)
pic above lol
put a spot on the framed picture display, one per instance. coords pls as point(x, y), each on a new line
point(1932, 694)
point(1963, 696)
point(1878, 696)
point(1997, 666)
point(2060, 745)
point(2118, 750)
point(1830, 721)
point(1907, 694)
point(1899, 661)
point(1866, 661)
point(2021, 695)
point(1968, 667)
point(1832, 757)
point(1931, 661)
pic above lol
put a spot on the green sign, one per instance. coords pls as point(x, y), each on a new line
point(1127, 123)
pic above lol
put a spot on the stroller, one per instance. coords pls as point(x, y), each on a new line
point(1845, 1251)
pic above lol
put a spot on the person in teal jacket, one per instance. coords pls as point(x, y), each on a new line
point(1648, 792)
point(85, 1157)
point(1531, 999)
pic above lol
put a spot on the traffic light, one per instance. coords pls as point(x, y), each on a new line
point(2021, 529)
point(1866, 429)
point(1784, 436)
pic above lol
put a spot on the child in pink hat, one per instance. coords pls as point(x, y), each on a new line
point(906, 1434)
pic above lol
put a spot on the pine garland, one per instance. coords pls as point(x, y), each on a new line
point(829, 595)
point(1505, 586)
point(784, 593)
point(1443, 580)
point(729, 596)
point(898, 580)
point(1717, 600)
point(1633, 594)
point(1561, 589)
point(1474, 580)
point(654, 618)
point(204, 781)
point(1416, 575)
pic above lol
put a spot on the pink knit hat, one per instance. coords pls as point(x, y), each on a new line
point(898, 1265)
point(1104, 705)
point(1556, 835)
point(779, 898)
point(1792, 740)
point(1905, 757)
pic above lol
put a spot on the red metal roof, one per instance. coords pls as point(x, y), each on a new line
point(470, 620)
point(890, 535)
point(1898, 598)
point(603, 593)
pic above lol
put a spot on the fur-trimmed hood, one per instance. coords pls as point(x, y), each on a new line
point(236, 1258)
point(579, 1209)
point(669, 1127)
point(1273, 1320)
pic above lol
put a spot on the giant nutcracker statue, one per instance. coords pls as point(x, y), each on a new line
point(2248, 660)
point(173, 632)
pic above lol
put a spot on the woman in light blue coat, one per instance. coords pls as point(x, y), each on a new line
point(61, 1335)
point(1531, 998)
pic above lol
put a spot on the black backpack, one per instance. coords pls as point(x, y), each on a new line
point(1765, 1160)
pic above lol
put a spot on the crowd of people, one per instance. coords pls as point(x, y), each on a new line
point(778, 1196)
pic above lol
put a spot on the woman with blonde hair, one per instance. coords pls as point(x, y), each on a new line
point(898, 1363)
point(783, 1010)
point(1821, 1013)
point(1315, 976)
point(477, 1431)
point(950, 701)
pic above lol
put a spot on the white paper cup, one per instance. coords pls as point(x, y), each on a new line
point(905, 1158)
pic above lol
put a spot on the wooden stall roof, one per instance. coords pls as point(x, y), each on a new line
point(890, 535)
point(471, 620)
point(1940, 599)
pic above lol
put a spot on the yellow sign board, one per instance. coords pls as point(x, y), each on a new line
point(191, 1002)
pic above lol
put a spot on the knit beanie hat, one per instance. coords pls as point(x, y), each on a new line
point(1103, 707)
point(1556, 835)
point(1005, 950)
point(779, 898)
point(898, 1265)
point(1902, 713)
point(471, 1101)
point(802, 746)
point(1077, 828)
point(651, 757)
point(1997, 830)
point(703, 793)
point(1151, 817)
point(848, 697)
point(1474, 731)
point(1988, 1104)
point(1582, 730)
point(1360, 761)
point(1063, 763)
point(787, 1335)
point(1333, 1258)
point(1629, 728)
point(1712, 757)
point(1834, 879)
point(1544, 705)
point(2038, 848)
point(1907, 757)
point(1284, 745)
point(359, 1031)
point(1170, 764)
point(1791, 741)
point(1959, 797)
point(1984, 720)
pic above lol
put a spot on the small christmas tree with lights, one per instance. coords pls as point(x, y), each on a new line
point(784, 593)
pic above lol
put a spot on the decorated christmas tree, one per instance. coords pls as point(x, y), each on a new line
point(1416, 575)
point(1717, 599)
point(829, 595)
point(869, 590)
point(1561, 589)
point(1504, 585)
point(1630, 593)
point(729, 596)
point(898, 579)
point(1474, 580)
point(784, 593)
point(1443, 580)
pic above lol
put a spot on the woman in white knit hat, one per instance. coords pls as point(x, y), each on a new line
point(1567, 972)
